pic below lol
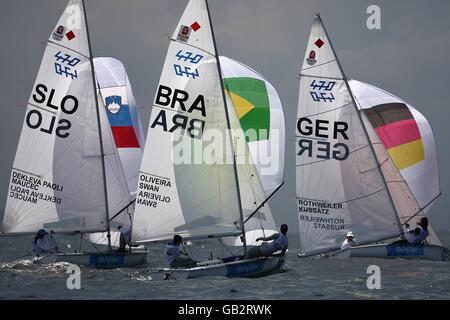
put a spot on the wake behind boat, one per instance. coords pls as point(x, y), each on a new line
point(366, 162)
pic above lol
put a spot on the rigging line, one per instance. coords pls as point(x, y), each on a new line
point(97, 107)
point(264, 202)
point(227, 117)
point(314, 162)
point(421, 209)
point(225, 246)
point(54, 243)
point(95, 246)
point(331, 110)
point(122, 209)
point(364, 196)
point(319, 65)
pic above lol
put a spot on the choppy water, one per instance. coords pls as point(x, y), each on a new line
point(313, 279)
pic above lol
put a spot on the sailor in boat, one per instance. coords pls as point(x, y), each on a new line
point(280, 242)
point(44, 243)
point(175, 257)
point(418, 234)
point(125, 237)
point(348, 242)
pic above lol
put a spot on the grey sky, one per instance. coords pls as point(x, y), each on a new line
point(408, 57)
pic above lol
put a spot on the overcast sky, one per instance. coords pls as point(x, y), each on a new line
point(408, 57)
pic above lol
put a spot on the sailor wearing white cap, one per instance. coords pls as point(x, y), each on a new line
point(348, 242)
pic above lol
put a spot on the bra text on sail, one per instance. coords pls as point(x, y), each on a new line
point(167, 97)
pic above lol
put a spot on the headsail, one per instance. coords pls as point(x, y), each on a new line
point(57, 181)
point(255, 109)
point(340, 186)
point(128, 136)
point(123, 116)
point(404, 143)
point(259, 109)
point(180, 190)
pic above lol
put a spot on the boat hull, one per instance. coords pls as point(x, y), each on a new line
point(105, 260)
point(406, 251)
point(251, 268)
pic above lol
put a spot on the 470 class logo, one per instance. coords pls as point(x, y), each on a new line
point(321, 91)
point(187, 71)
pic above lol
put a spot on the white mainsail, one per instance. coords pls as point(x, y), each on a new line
point(340, 186)
point(57, 181)
point(255, 109)
point(180, 191)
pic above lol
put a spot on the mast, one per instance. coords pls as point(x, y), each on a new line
point(102, 153)
point(363, 126)
point(241, 214)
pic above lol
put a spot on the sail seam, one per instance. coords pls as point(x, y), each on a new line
point(190, 45)
point(320, 77)
point(42, 108)
point(77, 52)
point(318, 161)
point(154, 175)
point(331, 110)
point(319, 65)
point(33, 174)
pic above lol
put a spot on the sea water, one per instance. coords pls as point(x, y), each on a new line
point(328, 278)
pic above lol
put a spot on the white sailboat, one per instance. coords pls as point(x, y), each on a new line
point(360, 153)
point(67, 177)
point(261, 118)
point(188, 183)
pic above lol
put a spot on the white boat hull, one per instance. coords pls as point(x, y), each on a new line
point(251, 268)
point(406, 251)
point(105, 260)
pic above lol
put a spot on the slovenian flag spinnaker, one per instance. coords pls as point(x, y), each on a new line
point(123, 115)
